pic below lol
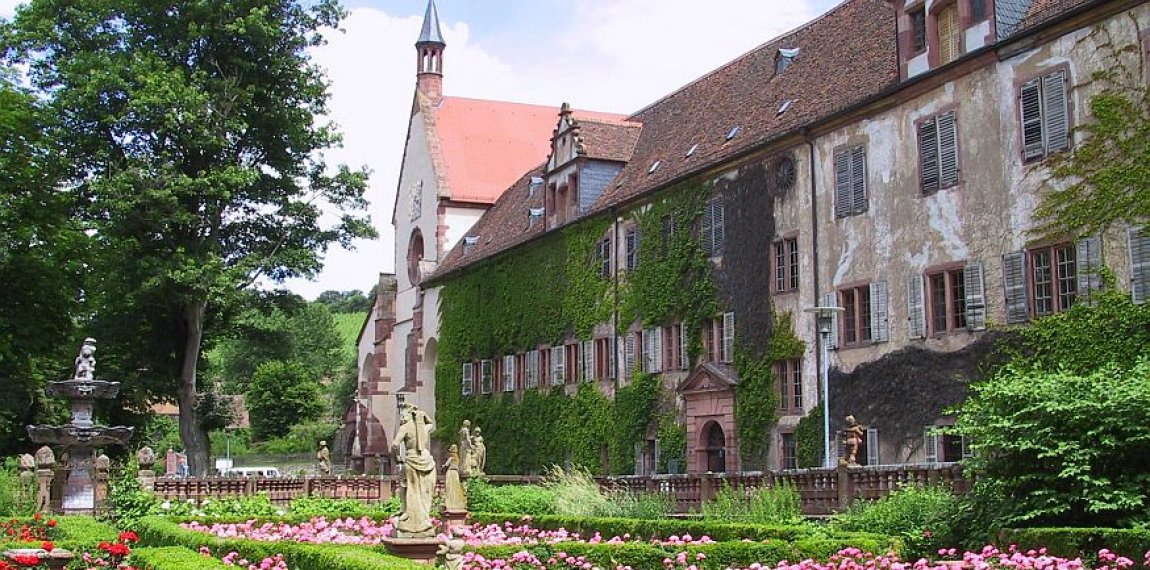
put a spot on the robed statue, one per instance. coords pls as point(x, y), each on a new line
point(419, 474)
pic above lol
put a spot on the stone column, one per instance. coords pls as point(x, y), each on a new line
point(44, 491)
point(103, 473)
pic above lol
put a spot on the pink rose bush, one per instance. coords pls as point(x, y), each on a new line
point(524, 534)
point(318, 530)
point(233, 558)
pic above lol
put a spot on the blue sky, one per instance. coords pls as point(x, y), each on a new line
point(605, 55)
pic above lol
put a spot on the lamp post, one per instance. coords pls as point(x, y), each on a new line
point(825, 319)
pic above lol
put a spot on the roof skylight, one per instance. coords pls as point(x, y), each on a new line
point(693, 148)
point(731, 134)
point(654, 166)
point(786, 105)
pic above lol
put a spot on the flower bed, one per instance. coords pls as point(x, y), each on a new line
point(318, 530)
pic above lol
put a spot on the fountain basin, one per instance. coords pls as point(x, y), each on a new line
point(71, 434)
point(86, 389)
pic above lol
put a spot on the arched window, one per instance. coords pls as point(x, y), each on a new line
point(414, 256)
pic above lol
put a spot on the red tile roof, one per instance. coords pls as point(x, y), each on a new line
point(601, 140)
point(487, 145)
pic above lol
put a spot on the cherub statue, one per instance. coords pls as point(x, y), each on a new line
point(86, 362)
point(852, 438)
point(45, 459)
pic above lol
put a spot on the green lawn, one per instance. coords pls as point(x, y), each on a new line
point(349, 325)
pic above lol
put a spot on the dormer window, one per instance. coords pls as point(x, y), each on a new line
point(692, 150)
point(469, 243)
point(536, 183)
point(785, 58)
point(731, 133)
point(654, 167)
point(786, 105)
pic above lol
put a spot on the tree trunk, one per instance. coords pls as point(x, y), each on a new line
point(193, 436)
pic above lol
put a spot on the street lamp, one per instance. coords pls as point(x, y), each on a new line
point(825, 318)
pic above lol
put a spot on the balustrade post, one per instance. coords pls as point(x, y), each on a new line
point(846, 490)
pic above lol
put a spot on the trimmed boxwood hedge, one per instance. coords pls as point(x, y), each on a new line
point(1081, 542)
point(174, 558)
point(161, 531)
point(73, 532)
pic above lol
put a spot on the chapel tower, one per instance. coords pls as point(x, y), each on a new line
point(429, 56)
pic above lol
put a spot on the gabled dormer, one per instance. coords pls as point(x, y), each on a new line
point(587, 152)
point(934, 33)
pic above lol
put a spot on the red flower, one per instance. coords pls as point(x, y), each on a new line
point(26, 559)
point(37, 516)
point(119, 549)
point(47, 545)
point(128, 536)
point(52, 522)
point(104, 545)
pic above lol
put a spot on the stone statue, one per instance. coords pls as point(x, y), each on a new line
point(478, 453)
point(146, 457)
point(27, 462)
point(45, 459)
point(103, 463)
point(419, 474)
point(86, 362)
point(323, 456)
point(451, 549)
point(852, 438)
point(454, 498)
point(465, 447)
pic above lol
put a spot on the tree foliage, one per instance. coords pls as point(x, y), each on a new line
point(353, 301)
point(282, 395)
point(190, 132)
point(1056, 431)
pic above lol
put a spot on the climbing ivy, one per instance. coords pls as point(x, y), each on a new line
point(809, 439)
point(636, 405)
point(672, 442)
point(757, 394)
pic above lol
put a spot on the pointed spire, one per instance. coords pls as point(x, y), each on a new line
point(430, 33)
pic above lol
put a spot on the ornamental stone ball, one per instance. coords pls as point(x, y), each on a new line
point(45, 459)
point(145, 457)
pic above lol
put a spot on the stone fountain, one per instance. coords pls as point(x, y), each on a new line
point(80, 436)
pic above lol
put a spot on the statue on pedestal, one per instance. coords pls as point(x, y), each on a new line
point(465, 447)
point(45, 459)
point(86, 362)
point(419, 474)
point(478, 453)
point(27, 463)
point(852, 438)
point(145, 457)
point(454, 497)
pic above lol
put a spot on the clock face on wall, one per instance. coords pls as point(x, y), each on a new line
point(784, 175)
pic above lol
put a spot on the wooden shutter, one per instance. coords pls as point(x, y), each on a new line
point(628, 355)
point(915, 307)
point(509, 373)
point(975, 296)
point(1054, 111)
point(684, 348)
point(858, 180)
point(872, 457)
point(1088, 260)
point(705, 233)
point(947, 150)
point(718, 230)
point(928, 155)
point(842, 183)
point(532, 368)
point(831, 300)
point(879, 311)
point(949, 35)
point(468, 378)
point(930, 444)
point(653, 341)
point(1139, 242)
point(611, 362)
point(485, 373)
point(588, 360)
point(1014, 283)
point(1030, 101)
point(728, 346)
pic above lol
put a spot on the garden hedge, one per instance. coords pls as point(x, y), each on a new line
point(1080, 542)
point(174, 558)
point(75, 533)
point(646, 529)
point(161, 531)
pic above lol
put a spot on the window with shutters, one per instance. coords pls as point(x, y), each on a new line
point(669, 230)
point(468, 378)
point(587, 361)
point(531, 369)
point(604, 257)
point(856, 317)
point(1138, 244)
point(507, 373)
point(673, 347)
point(1053, 278)
point(727, 349)
point(558, 365)
point(719, 338)
point(949, 34)
point(711, 231)
point(485, 376)
point(653, 350)
point(789, 377)
point(629, 355)
point(937, 153)
point(604, 359)
point(946, 301)
point(631, 243)
point(786, 265)
point(850, 181)
point(1045, 116)
point(572, 360)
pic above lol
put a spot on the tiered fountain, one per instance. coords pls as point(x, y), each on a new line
point(80, 436)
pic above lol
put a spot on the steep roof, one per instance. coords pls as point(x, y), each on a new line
point(430, 32)
point(602, 140)
point(845, 57)
point(487, 145)
point(505, 225)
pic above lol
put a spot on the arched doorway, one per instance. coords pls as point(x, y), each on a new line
point(715, 447)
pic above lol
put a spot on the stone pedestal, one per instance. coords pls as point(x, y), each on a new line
point(58, 559)
point(453, 519)
point(417, 549)
point(80, 487)
point(147, 479)
point(44, 490)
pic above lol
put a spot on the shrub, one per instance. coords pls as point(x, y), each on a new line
point(174, 558)
point(16, 497)
point(764, 505)
point(317, 506)
point(1081, 542)
point(482, 496)
point(917, 515)
point(576, 493)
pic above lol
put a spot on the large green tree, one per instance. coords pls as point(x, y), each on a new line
point(41, 250)
point(191, 130)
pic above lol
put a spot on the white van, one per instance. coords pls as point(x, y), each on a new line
point(251, 472)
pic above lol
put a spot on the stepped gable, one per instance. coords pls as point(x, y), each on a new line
point(845, 57)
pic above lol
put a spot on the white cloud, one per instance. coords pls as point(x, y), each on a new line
point(617, 56)
point(8, 7)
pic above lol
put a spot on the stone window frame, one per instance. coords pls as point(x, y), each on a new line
point(788, 246)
